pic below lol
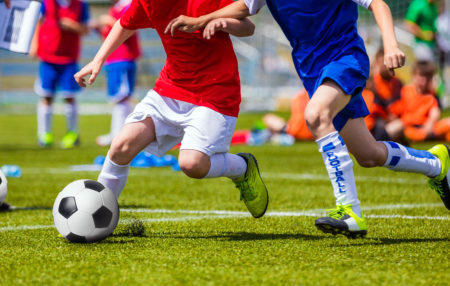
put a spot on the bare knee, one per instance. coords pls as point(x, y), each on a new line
point(120, 151)
point(193, 168)
point(320, 122)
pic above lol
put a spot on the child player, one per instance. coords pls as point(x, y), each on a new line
point(331, 60)
point(195, 101)
point(120, 69)
point(58, 48)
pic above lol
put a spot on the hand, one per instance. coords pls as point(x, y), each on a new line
point(394, 58)
point(213, 26)
point(93, 68)
point(184, 24)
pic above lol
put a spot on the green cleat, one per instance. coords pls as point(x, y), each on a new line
point(70, 140)
point(253, 190)
point(343, 220)
point(441, 183)
point(45, 139)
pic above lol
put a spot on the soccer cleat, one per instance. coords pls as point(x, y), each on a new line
point(441, 183)
point(70, 140)
point(104, 140)
point(45, 139)
point(343, 220)
point(253, 190)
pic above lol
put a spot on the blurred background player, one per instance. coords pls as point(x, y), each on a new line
point(419, 109)
point(195, 101)
point(296, 125)
point(381, 93)
point(120, 69)
point(57, 45)
point(420, 20)
point(334, 67)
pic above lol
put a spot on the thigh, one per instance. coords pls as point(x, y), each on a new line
point(132, 139)
point(329, 97)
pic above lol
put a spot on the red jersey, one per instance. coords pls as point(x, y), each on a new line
point(198, 71)
point(129, 50)
point(416, 107)
point(55, 45)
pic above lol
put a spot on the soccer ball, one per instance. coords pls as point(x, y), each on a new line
point(3, 187)
point(85, 211)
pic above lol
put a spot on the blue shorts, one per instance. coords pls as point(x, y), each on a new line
point(121, 77)
point(350, 72)
point(55, 77)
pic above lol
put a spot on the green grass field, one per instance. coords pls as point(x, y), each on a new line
point(187, 242)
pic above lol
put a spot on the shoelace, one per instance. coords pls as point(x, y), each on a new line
point(437, 187)
point(338, 212)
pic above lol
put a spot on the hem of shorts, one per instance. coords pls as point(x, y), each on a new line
point(197, 148)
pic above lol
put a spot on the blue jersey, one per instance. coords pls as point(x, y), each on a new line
point(326, 45)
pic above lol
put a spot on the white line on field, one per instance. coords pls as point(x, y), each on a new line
point(221, 214)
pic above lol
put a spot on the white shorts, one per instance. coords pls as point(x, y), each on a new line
point(196, 127)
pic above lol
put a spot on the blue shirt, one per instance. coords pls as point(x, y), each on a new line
point(320, 31)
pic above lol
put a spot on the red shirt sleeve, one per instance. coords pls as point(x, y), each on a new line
point(137, 16)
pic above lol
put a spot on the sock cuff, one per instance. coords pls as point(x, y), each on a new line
point(329, 142)
point(114, 166)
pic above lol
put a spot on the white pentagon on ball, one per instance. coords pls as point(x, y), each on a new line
point(85, 211)
point(3, 187)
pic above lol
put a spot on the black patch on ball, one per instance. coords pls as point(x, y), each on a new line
point(75, 238)
point(0, 180)
point(67, 207)
point(102, 217)
point(93, 185)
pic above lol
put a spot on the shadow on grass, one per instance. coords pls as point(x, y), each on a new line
point(244, 236)
point(391, 241)
point(36, 208)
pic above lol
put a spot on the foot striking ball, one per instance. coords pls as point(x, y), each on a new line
point(85, 211)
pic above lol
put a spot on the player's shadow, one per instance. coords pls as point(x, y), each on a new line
point(244, 236)
point(392, 241)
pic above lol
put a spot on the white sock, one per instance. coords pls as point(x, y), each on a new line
point(226, 165)
point(340, 170)
point(114, 176)
point(44, 118)
point(404, 159)
point(119, 114)
point(71, 112)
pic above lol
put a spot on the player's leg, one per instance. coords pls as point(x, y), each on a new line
point(434, 163)
point(204, 154)
point(133, 138)
point(327, 102)
point(45, 87)
point(69, 88)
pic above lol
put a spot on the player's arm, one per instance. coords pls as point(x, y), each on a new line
point(115, 38)
point(393, 56)
point(236, 10)
point(235, 27)
point(7, 3)
point(73, 26)
point(415, 29)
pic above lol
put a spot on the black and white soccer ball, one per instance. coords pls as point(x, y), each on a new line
point(3, 187)
point(85, 211)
